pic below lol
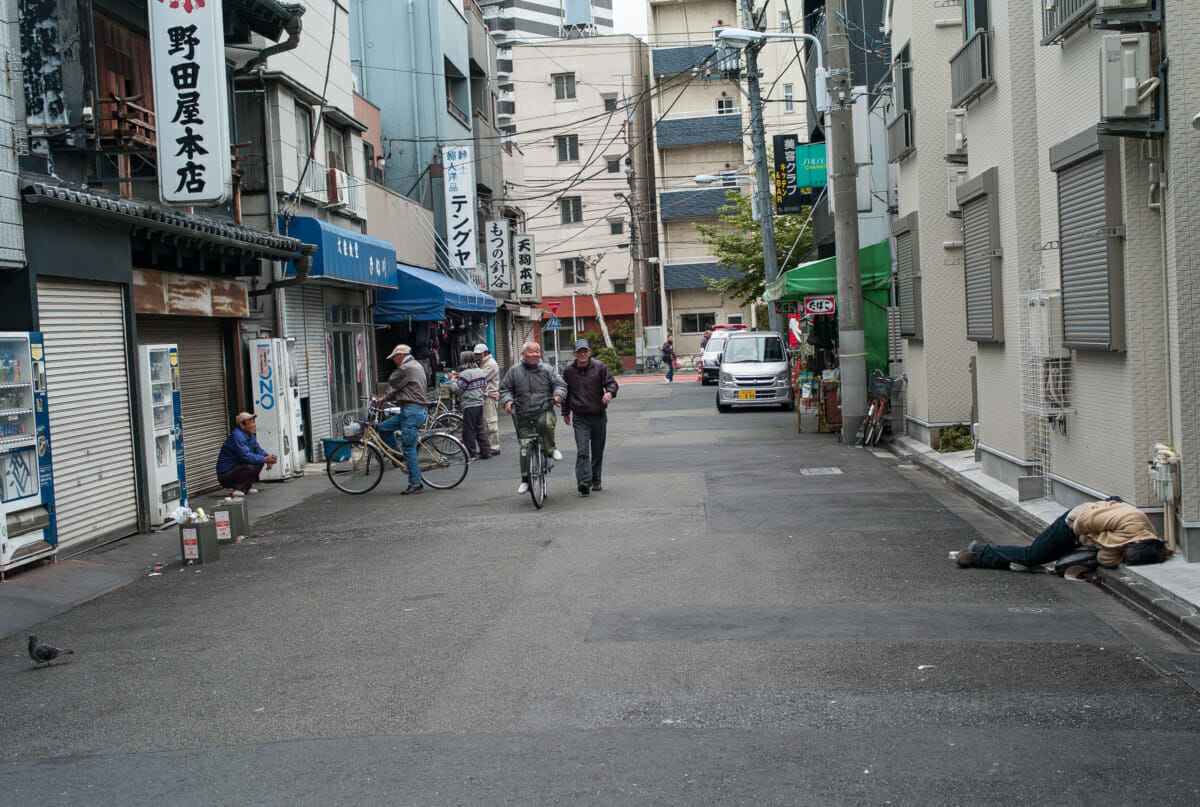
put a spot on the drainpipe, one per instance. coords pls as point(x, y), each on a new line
point(412, 75)
point(293, 27)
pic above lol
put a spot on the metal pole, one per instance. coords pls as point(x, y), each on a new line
point(840, 134)
point(762, 173)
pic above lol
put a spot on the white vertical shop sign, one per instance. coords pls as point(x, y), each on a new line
point(526, 267)
point(497, 243)
point(187, 49)
point(460, 212)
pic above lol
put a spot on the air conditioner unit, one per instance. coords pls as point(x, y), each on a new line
point(1126, 84)
point(1122, 5)
point(955, 176)
point(338, 184)
point(1045, 324)
point(956, 134)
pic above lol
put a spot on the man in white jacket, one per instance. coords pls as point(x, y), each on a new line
point(491, 398)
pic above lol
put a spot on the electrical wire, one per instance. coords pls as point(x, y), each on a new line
point(293, 198)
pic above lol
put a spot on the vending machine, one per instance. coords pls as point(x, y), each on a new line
point(27, 522)
point(162, 431)
point(276, 394)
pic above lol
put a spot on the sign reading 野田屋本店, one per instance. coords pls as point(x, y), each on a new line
point(526, 267)
point(187, 51)
point(459, 173)
point(496, 237)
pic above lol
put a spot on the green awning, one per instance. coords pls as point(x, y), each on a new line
point(820, 277)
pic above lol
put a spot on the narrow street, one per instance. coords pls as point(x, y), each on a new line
point(743, 616)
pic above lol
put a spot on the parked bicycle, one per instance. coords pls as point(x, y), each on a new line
point(442, 416)
point(356, 465)
point(528, 424)
point(880, 389)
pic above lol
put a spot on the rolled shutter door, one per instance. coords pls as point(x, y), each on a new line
point(904, 276)
point(1084, 254)
point(91, 431)
point(202, 391)
point(304, 314)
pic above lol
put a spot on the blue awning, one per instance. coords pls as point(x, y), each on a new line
point(342, 254)
point(421, 295)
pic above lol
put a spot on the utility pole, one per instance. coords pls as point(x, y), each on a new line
point(635, 252)
point(852, 351)
point(762, 172)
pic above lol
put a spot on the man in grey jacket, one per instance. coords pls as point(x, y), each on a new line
point(533, 386)
point(470, 386)
point(407, 384)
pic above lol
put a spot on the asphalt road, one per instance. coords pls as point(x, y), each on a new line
point(744, 615)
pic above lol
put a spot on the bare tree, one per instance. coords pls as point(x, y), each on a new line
point(594, 275)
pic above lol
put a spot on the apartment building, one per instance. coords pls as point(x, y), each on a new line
point(1045, 235)
point(701, 127)
point(583, 128)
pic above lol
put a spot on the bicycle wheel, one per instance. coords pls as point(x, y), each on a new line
point(447, 422)
point(537, 474)
point(864, 428)
point(355, 468)
point(877, 432)
point(442, 459)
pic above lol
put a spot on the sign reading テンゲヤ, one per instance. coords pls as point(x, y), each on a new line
point(526, 267)
point(459, 173)
point(187, 49)
point(496, 237)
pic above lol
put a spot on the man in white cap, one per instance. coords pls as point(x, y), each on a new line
point(241, 459)
point(407, 384)
point(491, 398)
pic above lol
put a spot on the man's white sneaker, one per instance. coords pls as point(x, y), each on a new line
point(252, 490)
point(524, 488)
point(556, 455)
point(237, 494)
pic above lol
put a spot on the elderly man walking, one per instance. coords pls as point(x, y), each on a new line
point(590, 388)
point(407, 384)
point(534, 386)
point(491, 417)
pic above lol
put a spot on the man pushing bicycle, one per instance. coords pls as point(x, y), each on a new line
point(533, 385)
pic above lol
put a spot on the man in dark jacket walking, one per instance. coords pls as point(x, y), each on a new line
point(590, 388)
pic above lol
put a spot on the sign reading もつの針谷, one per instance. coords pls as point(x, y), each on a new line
point(187, 52)
point(496, 236)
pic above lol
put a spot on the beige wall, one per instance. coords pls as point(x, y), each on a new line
point(698, 301)
point(405, 224)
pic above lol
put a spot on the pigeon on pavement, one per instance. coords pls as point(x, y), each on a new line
point(45, 653)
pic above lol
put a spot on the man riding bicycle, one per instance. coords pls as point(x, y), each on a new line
point(534, 386)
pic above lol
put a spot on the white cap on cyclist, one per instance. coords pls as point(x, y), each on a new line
point(400, 350)
point(480, 348)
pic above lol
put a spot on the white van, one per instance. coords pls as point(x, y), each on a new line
point(754, 372)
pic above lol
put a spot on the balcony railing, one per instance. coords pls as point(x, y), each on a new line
point(315, 182)
point(457, 113)
point(124, 125)
point(1061, 18)
point(900, 137)
point(971, 69)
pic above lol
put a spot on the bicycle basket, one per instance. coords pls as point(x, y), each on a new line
point(879, 387)
point(527, 424)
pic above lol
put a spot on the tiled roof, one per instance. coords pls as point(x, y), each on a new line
point(671, 61)
point(698, 131)
point(695, 275)
point(159, 217)
point(693, 204)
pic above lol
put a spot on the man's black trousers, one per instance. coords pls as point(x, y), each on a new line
point(590, 434)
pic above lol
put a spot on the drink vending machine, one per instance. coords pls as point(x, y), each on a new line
point(27, 521)
point(162, 431)
point(277, 406)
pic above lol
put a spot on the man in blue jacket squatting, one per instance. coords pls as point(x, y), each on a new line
point(242, 459)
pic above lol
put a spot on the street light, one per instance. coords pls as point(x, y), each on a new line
point(741, 38)
point(708, 179)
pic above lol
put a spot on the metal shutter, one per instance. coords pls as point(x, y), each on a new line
point(304, 314)
point(1086, 296)
point(87, 382)
point(978, 266)
point(904, 277)
point(202, 389)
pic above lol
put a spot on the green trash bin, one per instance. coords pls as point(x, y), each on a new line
point(232, 520)
point(198, 542)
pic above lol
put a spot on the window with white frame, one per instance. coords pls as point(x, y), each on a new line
point(567, 147)
point(564, 86)
point(735, 319)
point(614, 166)
point(725, 106)
point(571, 208)
point(574, 271)
point(616, 227)
point(789, 98)
point(697, 323)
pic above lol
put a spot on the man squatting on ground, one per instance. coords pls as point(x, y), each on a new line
point(491, 419)
point(534, 386)
point(407, 391)
point(590, 387)
point(1119, 532)
point(470, 385)
point(242, 459)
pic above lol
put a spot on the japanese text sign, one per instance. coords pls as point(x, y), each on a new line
point(787, 194)
point(496, 239)
point(459, 173)
point(187, 52)
point(525, 262)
